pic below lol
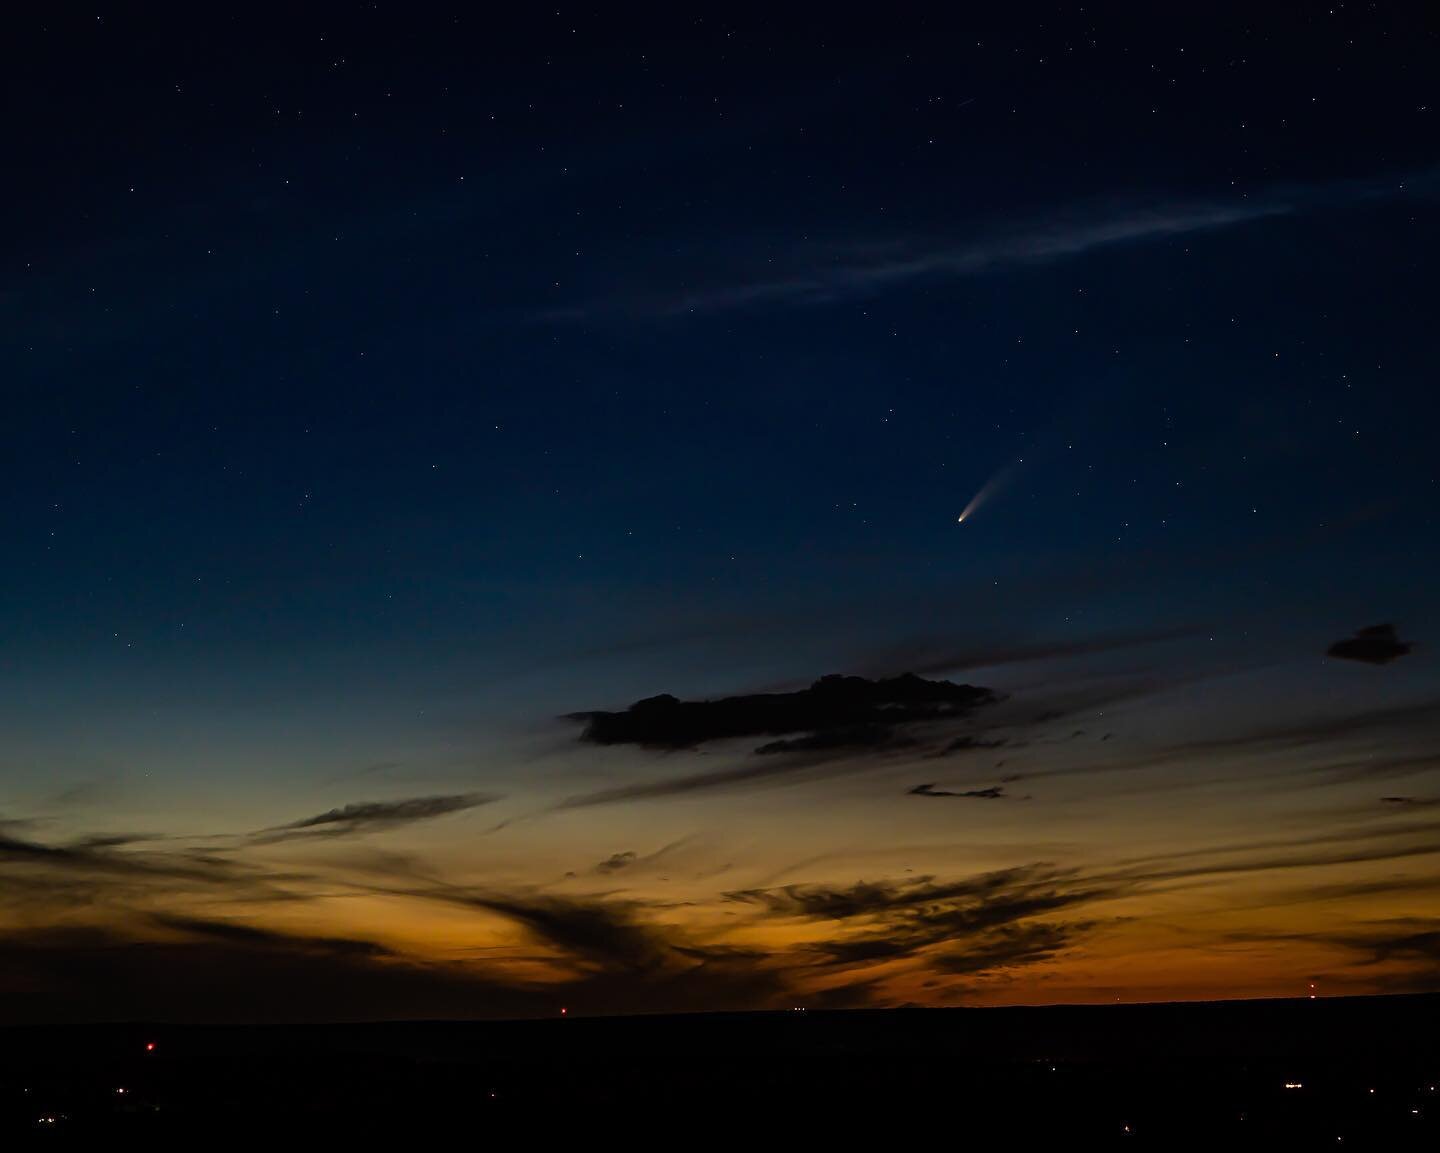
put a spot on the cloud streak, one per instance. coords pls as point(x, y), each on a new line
point(985, 923)
point(992, 793)
point(372, 816)
point(860, 270)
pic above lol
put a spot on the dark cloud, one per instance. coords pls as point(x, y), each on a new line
point(97, 861)
point(992, 793)
point(867, 898)
point(615, 862)
point(634, 862)
point(1003, 722)
point(170, 962)
point(1011, 947)
point(834, 712)
point(212, 972)
point(592, 932)
point(108, 876)
point(22, 849)
point(1410, 947)
point(1406, 943)
point(608, 958)
point(974, 925)
point(237, 932)
point(112, 840)
point(620, 961)
point(369, 816)
point(1376, 645)
point(837, 717)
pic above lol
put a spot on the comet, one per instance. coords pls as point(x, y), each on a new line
point(989, 489)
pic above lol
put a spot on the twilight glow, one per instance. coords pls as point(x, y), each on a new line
point(480, 514)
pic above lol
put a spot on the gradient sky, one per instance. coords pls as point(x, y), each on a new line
point(386, 385)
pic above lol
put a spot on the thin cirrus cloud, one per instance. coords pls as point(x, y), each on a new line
point(867, 274)
point(371, 816)
point(850, 271)
point(990, 793)
point(859, 270)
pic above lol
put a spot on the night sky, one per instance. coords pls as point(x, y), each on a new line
point(394, 396)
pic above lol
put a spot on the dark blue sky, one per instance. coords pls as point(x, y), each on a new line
point(380, 383)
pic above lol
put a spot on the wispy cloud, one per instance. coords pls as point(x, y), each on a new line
point(991, 793)
point(369, 816)
point(848, 276)
point(977, 924)
point(826, 274)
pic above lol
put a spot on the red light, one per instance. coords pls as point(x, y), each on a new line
point(563, 1012)
point(149, 1046)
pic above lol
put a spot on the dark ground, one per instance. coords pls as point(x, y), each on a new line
point(1146, 1076)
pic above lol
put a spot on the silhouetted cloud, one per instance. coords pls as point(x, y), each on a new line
point(834, 712)
point(1408, 942)
point(1408, 947)
point(1011, 947)
point(208, 972)
point(238, 932)
point(1411, 802)
point(972, 925)
point(618, 959)
point(368, 816)
point(604, 933)
point(1376, 645)
point(992, 793)
point(632, 861)
point(23, 849)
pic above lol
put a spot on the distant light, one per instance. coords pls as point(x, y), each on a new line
point(1294, 1085)
point(149, 1046)
point(563, 1011)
